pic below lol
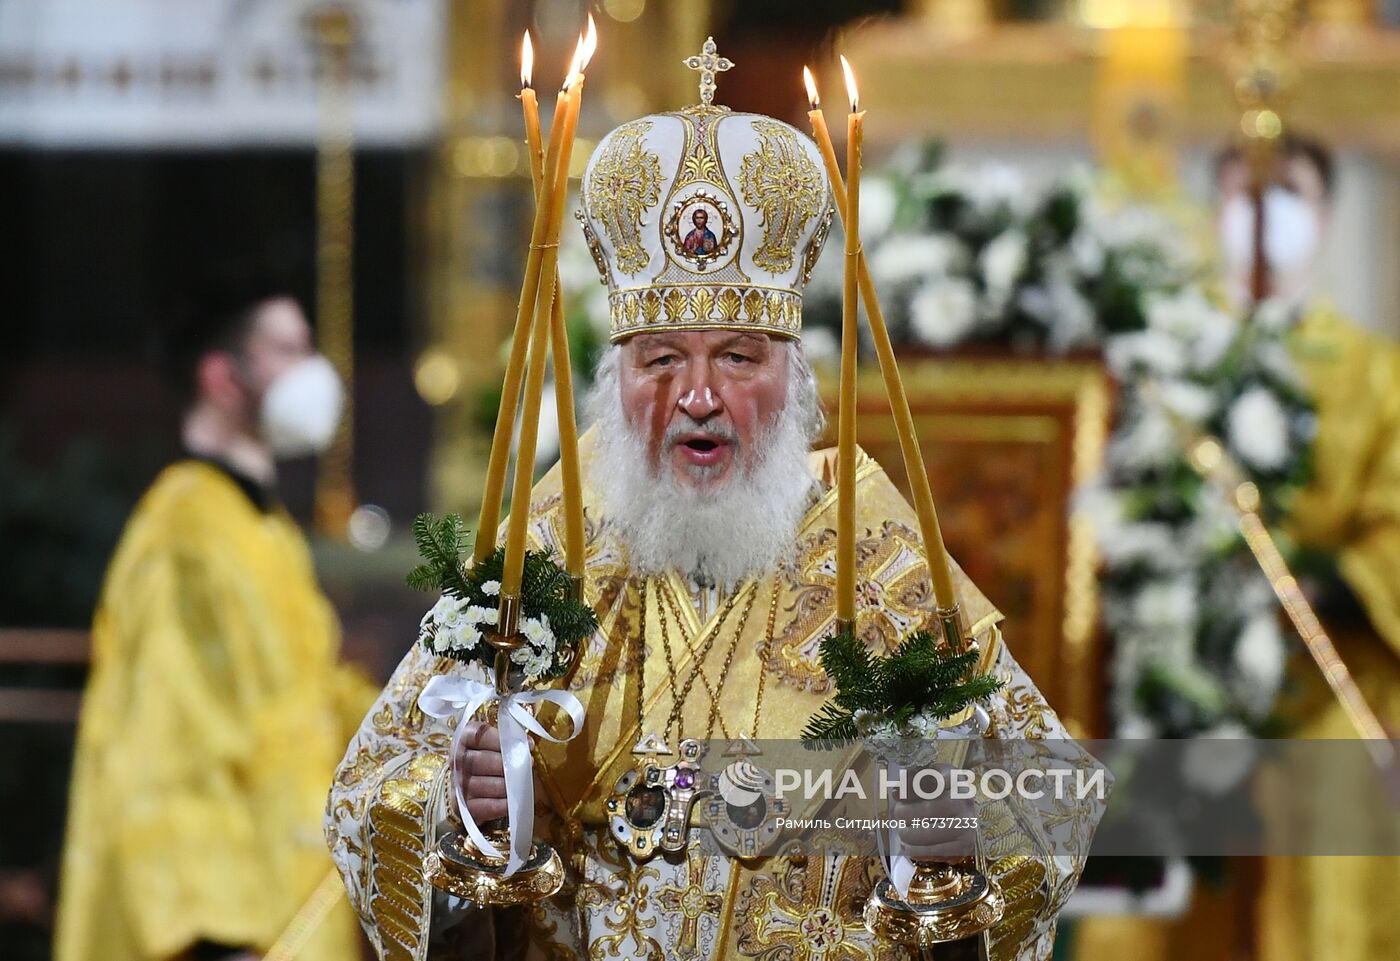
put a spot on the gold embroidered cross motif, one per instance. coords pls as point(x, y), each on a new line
point(625, 183)
point(692, 902)
point(708, 63)
point(780, 179)
point(807, 909)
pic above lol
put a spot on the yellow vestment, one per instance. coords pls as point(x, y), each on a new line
point(388, 800)
point(1346, 908)
point(212, 721)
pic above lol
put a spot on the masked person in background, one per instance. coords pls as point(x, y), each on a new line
point(215, 711)
point(1347, 521)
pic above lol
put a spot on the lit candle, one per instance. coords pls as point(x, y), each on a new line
point(945, 595)
point(490, 516)
point(557, 181)
point(563, 372)
point(846, 422)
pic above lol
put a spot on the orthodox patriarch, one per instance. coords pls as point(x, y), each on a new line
point(710, 565)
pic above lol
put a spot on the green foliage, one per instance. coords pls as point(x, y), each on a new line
point(920, 677)
point(441, 543)
point(545, 587)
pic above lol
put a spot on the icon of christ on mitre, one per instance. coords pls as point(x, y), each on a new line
point(710, 566)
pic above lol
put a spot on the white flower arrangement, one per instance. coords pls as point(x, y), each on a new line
point(1257, 427)
point(943, 311)
point(453, 625)
point(984, 256)
point(553, 624)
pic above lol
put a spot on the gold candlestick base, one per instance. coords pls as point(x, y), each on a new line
point(947, 904)
point(458, 868)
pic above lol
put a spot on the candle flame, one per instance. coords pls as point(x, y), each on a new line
point(571, 76)
point(851, 91)
point(813, 97)
point(527, 60)
point(583, 53)
point(590, 44)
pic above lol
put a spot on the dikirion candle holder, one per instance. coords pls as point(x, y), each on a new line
point(949, 904)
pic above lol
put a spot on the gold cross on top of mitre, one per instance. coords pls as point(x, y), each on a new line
point(708, 63)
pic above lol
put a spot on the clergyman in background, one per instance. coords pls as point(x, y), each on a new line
point(215, 711)
point(1347, 520)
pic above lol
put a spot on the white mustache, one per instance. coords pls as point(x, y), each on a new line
point(683, 424)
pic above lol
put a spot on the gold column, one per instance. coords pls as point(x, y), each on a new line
point(1139, 89)
point(333, 32)
point(1264, 78)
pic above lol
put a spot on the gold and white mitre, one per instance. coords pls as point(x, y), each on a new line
point(705, 219)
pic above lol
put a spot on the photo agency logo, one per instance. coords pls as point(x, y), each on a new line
point(1127, 797)
point(942, 782)
point(756, 798)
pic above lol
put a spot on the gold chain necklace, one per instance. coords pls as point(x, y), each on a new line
point(649, 808)
point(763, 652)
point(698, 660)
point(742, 807)
point(677, 700)
point(666, 597)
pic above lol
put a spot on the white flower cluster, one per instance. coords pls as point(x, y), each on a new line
point(454, 627)
point(874, 726)
point(537, 656)
point(1171, 584)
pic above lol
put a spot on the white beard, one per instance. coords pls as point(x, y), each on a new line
point(742, 528)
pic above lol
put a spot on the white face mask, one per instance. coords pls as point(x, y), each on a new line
point(1291, 231)
point(301, 408)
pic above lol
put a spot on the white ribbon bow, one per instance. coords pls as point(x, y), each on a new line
point(445, 696)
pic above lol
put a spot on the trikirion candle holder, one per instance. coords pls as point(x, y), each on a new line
point(950, 904)
point(457, 866)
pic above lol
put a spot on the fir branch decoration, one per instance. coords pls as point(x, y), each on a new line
point(900, 695)
point(442, 543)
point(553, 624)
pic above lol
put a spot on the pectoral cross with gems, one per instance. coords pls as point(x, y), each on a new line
point(708, 63)
point(650, 806)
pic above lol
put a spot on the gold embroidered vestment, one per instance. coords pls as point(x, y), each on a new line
point(389, 797)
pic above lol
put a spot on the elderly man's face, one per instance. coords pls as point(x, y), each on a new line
point(702, 398)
